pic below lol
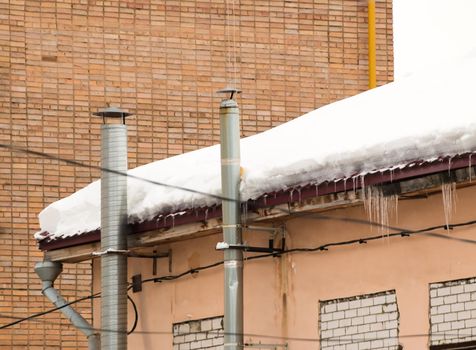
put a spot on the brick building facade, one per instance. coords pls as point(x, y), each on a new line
point(163, 61)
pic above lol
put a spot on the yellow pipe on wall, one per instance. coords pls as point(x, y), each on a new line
point(372, 45)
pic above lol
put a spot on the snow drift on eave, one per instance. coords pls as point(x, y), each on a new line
point(417, 118)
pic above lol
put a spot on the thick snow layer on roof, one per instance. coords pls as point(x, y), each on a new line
point(418, 118)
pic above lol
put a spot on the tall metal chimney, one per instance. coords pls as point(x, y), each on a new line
point(230, 182)
point(113, 229)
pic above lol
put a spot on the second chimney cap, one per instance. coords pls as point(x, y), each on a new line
point(112, 112)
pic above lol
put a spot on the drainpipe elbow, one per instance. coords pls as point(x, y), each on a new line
point(48, 272)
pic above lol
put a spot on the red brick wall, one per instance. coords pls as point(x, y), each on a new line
point(163, 61)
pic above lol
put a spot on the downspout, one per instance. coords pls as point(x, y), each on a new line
point(230, 180)
point(48, 272)
point(372, 45)
point(113, 229)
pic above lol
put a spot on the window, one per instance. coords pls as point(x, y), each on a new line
point(360, 322)
point(470, 345)
point(453, 314)
point(205, 333)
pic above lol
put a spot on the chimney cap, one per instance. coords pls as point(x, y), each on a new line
point(112, 112)
point(229, 90)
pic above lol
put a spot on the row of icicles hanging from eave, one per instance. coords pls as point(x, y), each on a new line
point(382, 209)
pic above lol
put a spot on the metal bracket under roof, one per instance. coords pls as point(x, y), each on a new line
point(154, 256)
point(271, 242)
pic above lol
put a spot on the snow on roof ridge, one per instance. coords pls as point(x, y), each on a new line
point(421, 117)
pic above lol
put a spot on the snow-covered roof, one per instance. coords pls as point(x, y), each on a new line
point(421, 117)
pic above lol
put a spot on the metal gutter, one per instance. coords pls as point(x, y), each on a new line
point(295, 194)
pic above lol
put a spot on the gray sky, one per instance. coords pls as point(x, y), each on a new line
point(431, 31)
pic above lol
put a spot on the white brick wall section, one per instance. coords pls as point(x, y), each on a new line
point(453, 311)
point(199, 334)
point(359, 323)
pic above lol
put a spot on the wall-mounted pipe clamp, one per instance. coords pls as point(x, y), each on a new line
point(247, 248)
point(110, 251)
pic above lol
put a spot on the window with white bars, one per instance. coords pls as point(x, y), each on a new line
point(453, 314)
point(204, 333)
point(359, 322)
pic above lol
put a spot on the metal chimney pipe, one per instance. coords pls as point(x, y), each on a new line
point(230, 180)
point(113, 230)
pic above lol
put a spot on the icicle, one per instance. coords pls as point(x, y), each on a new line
point(206, 214)
point(362, 185)
point(335, 186)
point(299, 194)
point(317, 190)
point(395, 206)
point(449, 165)
point(448, 195)
point(469, 165)
point(157, 221)
point(291, 192)
point(380, 208)
point(368, 206)
point(345, 184)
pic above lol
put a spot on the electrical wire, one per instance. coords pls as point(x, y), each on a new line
point(16, 289)
point(80, 164)
point(402, 233)
point(93, 296)
point(136, 315)
point(323, 247)
point(405, 233)
point(97, 167)
point(399, 230)
point(185, 273)
point(49, 311)
point(319, 216)
point(356, 338)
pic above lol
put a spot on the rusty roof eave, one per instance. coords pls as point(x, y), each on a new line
point(295, 194)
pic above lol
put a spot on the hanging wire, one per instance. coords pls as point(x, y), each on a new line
point(324, 247)
point(97, 167)
point(287, 212)
point(193, 271)
point(230, 42)
point(356, 338)
point(136, 315)
point(227, 44)
point(234, 84)
point(96, 295)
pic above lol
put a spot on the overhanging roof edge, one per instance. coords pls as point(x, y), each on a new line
point(295, 194)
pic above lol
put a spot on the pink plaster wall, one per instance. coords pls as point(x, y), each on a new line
point(282, 294)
